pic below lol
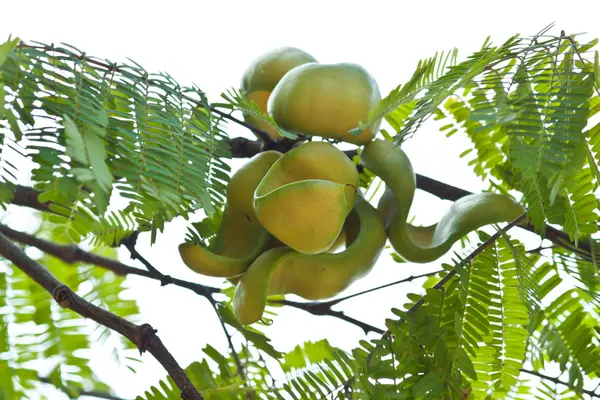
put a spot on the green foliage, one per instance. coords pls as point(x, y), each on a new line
point(46, 337)
point(99, 134)
point(401, 101)
point(257, 338)
point(95, 130)
point(236, 101)
point(312, 371)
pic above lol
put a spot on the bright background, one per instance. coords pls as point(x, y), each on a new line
point(210, 44)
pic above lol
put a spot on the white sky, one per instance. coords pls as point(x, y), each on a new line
point(210, 43)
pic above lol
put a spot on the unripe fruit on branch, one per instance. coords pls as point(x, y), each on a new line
point(306, 196)
point(261, 77)
point(326, 100)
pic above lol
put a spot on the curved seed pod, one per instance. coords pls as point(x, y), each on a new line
point(313, 277)
point(341, 240)
point(428, 243)
point(240, 238)
point(305, 197)
point(261, 77)
point(326, 100)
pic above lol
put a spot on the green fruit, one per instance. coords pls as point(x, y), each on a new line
point(240, 238)
point(313, 277)
point(305, 197)
point(326, 100)
point(428, 243)
point(261, 77)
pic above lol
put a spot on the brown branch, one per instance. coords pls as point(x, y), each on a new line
point(72, 254)
point(405, 280)
point(25, 196)
point(241, 147)
point(143, 336)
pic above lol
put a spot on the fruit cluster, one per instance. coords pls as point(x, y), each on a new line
point(296, 223)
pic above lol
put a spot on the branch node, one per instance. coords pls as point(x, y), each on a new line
point(166, 280)
point(147, 334)
point(63, 296)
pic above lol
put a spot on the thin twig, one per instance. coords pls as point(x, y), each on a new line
point(316, 309)
point(325, 308)
point(129, 244)
point(143, 336)
point(263, 136)
point(25, 196)
point(89, 393)
point(260, 134)
point(556, 380)
point(405, 280)
point(72, 254)
point(236, 356)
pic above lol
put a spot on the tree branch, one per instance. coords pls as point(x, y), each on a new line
point(25, 196)
point(143, 336)
point(73, 254)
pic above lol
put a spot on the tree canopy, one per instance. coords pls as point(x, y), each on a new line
point(108, 151)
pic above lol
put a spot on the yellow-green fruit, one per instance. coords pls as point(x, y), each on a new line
point(240, 238)
point(263, 74)
point(305, 197)
point(313, 277)
point(326, 100)
point(423, 244)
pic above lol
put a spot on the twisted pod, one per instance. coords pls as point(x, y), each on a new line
point(428, 243)
point(304, 199)
point(241, 238)
point(313, 277)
